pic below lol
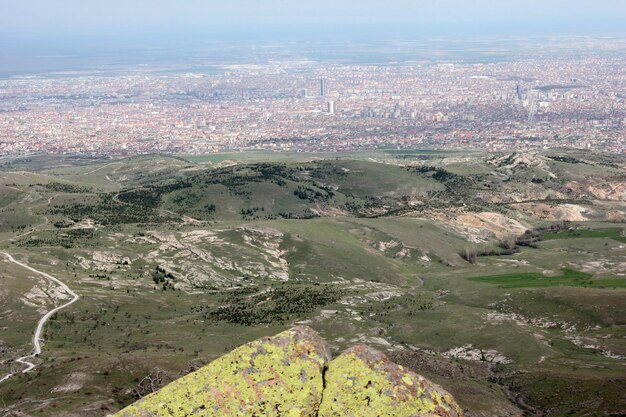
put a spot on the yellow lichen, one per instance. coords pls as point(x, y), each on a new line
point(283, 376)
point(356, 389)
point(262, 378)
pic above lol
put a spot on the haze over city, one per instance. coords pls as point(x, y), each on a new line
point(574, 15)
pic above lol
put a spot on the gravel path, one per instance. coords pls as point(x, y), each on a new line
point(42, 322)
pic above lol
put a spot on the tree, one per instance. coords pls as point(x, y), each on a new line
point(469, 254)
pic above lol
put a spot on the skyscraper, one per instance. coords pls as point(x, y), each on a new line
point(519, 94)
point(322, 87)
point(331, 107)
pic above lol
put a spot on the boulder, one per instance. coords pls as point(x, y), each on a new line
point(290, 375)
point(277, 376)
point(363, 382)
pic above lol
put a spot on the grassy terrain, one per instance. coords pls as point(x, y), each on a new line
point(614, 233)
point(570, 277)
point(177, 263)
point(211, 159)
point(285, 157)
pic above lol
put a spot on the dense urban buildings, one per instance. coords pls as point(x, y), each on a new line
point(577, 101)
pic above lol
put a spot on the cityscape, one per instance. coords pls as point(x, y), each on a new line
point(301, 105)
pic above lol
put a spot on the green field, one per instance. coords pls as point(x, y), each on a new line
point(614, 233)
point(211, 159)
point(419, 152)
point(569, 278)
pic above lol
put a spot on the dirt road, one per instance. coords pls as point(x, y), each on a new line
point(42, 322)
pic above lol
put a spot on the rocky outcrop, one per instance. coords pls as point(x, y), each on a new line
point(363, 382)
point(281, 375)
point(291, 374)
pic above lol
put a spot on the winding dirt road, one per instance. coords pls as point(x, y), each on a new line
point(42, 322)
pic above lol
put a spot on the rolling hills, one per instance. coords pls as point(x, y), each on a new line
point(178, 261)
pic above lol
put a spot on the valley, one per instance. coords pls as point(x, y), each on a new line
point(499, 276)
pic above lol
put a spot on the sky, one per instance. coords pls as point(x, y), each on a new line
point(325, 15)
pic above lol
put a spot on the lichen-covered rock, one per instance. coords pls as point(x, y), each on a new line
point(285, 376)
point(363, 382)
point(278, 376)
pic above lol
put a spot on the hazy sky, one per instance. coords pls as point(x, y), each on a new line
point(98, 15)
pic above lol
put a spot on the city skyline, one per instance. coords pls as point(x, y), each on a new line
point(303, 106)
point(395, 74)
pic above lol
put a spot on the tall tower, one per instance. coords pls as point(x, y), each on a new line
point(518, 91)
point(322, 87)
point(532, 109)
point(331, 107)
